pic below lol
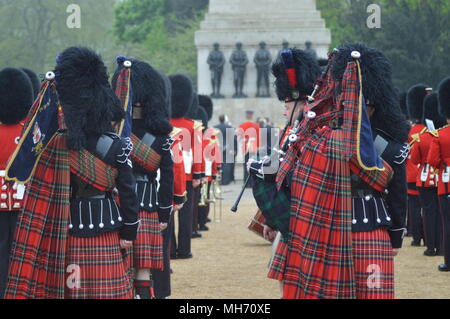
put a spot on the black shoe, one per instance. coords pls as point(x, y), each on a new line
point(196, 235)
point(415, 243)
point(203, 228)
point(443, 268)
point(429, 252)
point(184, 256)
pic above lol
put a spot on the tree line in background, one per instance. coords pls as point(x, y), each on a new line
point(414, 34)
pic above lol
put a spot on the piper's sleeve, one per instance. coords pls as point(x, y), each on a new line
point(397, 204)
point(166, 182)
point(126, 185)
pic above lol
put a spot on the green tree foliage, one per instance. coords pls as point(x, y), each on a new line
point(414, 34)
point(34, 32)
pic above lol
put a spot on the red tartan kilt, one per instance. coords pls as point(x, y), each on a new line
point(148, 247)
point(102, 268)
point(278, 265)
point(374, 265)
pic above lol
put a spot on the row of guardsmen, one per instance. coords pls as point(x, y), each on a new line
point(428, 169)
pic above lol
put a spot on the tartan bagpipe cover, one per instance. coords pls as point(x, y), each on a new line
point(318, 261)
point(274, 204)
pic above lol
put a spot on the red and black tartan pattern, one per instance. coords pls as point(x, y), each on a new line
point(97, 269)
point(122, 86)
point(374, 264)
point(37, 266)
point(379, 180)
point(319, 260)
point(148, 246)
point(92, 170)
point(144, 155)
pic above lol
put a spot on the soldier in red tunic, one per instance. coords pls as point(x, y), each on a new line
point(439, 157)
point(182, 100)
point(415, 98)
point(16, 97)
point(427, 176)
point(248, 134)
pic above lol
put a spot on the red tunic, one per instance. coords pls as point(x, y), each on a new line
point(439, 157)
point(411, 169)
point(191, 145)
point(10, 135)
point(249, 133)
point(179, 183)
point(212, 153)
point(419, 156)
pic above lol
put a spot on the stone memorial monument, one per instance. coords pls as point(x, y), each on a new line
point(250, 22)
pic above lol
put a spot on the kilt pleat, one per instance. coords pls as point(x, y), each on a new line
point(374, 265)
point(148, 247)
point(278, 265)
point(99, 266)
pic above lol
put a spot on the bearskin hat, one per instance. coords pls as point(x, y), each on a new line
point(182, 94)
point(444, 98)
point(35, 82)
point(207, 103)
point(168, 89)
point(202, 115)
point(88, 101)
point(16, 95)
point(307, 71)
point(148, 89)
point(193, 108)
point(431, 111)
point(414, 101)
point(403, 105)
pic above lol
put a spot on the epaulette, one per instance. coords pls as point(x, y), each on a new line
point(416, 137)
point(175, 132)
point(435, 133)
point(197, 125)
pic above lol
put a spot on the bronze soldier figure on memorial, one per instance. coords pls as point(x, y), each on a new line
point(216, 61)
point(239, 61)
point(263, 61)
point(310, 50)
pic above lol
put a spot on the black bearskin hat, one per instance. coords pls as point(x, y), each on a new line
point(35, 82)
point(444, 98)
point(307, 71)
point(168, 89)
point(88, 101)
point(182, 94)
point(148, 89)
point(403, 105)
point(378, 89)
point(207, 103)
point(192, 113)
point(202, 115)
point(431, 111)
point(16, 95)
point(414, 101)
